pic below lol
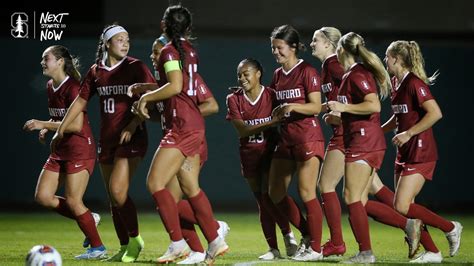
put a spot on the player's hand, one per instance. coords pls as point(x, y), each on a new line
point(135, 89)
point(282, 111)
point(33, 124)
point(127, 133)
point(58, 136)
point(336, 106)
point(142, 110)
point(332, 118)
point(401, 138)
point(135, 108)
point(42, 135)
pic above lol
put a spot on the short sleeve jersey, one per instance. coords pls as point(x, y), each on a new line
point(240, 107)
point(111, 84)
point(180, 112)
point(331, 77)
point(73, 146)
point(407, 101)
point(362, 133)
point(294, 86)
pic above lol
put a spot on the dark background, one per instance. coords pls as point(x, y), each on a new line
point(227, 32)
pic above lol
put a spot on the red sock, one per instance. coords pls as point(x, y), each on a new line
point(87, 224)
point(427, 241)
point(314, 215)
point(266, 222)
point(429, 218)
point(332, 211)
point(385, 195)
point(203, 213)
point(384, 214)
point(289, 207)
point(277, 216)
point(186, 213)
point(360, 225)
point(169, 213)
point(190, 235)
point(119, 226)
point(128, 212)
point(63, 209)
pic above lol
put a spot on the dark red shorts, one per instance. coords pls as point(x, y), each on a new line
point(189, 143)
point(255, 162)
point(108, 154)
point(424, 169)
point(300, 152)
point(336, 143)
point(203, 153)
point(374, 159)
point(69, 167)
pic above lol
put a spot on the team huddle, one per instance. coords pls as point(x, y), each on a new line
point(280, 137)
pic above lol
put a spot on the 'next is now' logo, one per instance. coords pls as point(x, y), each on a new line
point(51, 26)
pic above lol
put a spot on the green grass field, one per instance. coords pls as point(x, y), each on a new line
point(18, 233)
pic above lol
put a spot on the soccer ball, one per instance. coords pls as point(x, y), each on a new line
point(43, 255)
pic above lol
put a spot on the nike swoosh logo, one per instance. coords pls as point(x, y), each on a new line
point(411, 169)
point(77, 165)
point(308, 153)
point(355, 155)
point(170, 142)
point(134, 151)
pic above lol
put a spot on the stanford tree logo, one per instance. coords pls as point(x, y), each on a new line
point(19, 25)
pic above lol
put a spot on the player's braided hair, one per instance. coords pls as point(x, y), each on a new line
point(71, 63)
point(100, 46)
point(178, 25)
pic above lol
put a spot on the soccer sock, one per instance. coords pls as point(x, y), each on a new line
point(360, 225)
point(385, 195)
point(384, 214)
point(427, 242)
point(186, 213)
point(87, 224)
point(203, 212)
point(169, 213)
point(314, 215)
point(190, 235)
point(119, 225)
point(289, 207)
point(277, 216)
point(429, 218)
point(266, 221)
point(332, 211)
point(63, 209)
point(128, 212)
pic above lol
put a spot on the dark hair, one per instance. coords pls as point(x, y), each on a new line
point(178, 22)
point(101, 46)
point(255, 63)
point(71, 64)
point(290, 35)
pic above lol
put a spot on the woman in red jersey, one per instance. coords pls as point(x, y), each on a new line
point(300, 148)
point(364, 143)
point(123, 137)
point(74, 156)
point(250, 110)
point(324, 45)
point(180, 147)
point(415, 112)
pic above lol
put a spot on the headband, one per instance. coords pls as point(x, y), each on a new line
point(107, 35)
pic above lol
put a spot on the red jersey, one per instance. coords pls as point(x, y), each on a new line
point(111, 84)
point(73, 146)
point(331, 77)
point(362, 133)
point(293, 87)
point(407, 101)
point(180, 111)
point(240, 107)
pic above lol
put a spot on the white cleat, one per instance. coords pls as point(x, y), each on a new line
point(428, 257)
point(290, 244)
point(93, 254)
point(216, 248)
point(176, 250)
point(413, 230)
point(223, 229)
point(272, 254)
point(304, 243)
point(308, 255)
point(194, 258)
point(363, 257)
point(454, 238)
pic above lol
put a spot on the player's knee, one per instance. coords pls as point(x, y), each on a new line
point(350, 197)
point(73, 203)
point(401, 207)
point(44, 199)
point(307, 193)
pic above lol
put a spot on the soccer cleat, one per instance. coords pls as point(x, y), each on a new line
point(272, 254)
point(290, 244)
point(93, 253)
point(223, 229)
point(134, 247)
point(454, 238)
point(96, 217)
point(176, 250)
point(308, 255)
point(329, 249)
point(304, 243)
point(117, 257)
point(362, 257)
point(216, 248)
point(194, 258)
point(413, 233)
point(428, 257)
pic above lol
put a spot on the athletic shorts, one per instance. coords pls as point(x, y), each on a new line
point(424, 169)
point(189, 143)
point(300, 152)
point(69, 167)
point(373, 159)
point(255, 162)
point(107, 154)
point(203, 153)
point(336, 143)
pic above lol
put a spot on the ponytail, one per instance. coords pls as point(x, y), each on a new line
point(178, 25)
point(71, 63)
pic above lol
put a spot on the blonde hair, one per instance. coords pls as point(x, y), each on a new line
point(354, 45)
point(331, 34)
point(412, 59)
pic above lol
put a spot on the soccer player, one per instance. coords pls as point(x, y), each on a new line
point(250, 110)
point(415, 111)
point(123, 137)
point(364, 143)
point(300, 148)
point(180, 147)
point(74, 156)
